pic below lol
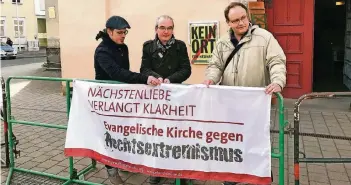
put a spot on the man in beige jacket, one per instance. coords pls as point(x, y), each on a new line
point(258, 61)
point(248, 56)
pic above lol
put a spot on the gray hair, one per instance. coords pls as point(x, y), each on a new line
point(163, 17)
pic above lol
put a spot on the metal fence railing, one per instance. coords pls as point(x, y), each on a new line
point(297, 134)
point(73, 173)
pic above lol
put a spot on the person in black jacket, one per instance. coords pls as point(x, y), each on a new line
point(165, 58)
point(9, 41)
point(111, 62)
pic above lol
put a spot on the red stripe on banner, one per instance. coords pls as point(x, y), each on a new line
point(203, 44)
point(187, 174)
point(168, 119)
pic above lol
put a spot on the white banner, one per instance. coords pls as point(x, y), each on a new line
point(175, 131)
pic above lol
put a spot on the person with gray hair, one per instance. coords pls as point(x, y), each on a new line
point(165, 58)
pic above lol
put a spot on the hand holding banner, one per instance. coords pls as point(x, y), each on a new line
point(176, 131)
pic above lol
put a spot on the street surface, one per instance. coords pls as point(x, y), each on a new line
point(21, 67)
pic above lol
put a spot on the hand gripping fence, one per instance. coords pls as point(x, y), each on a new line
point(73, 173)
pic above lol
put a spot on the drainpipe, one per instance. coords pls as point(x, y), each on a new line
point(18, 34)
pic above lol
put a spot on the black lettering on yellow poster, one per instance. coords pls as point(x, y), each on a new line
point(202, 37)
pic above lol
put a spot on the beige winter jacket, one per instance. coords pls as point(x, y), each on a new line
point(259, 62)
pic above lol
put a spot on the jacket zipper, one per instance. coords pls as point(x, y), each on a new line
point(236, 69)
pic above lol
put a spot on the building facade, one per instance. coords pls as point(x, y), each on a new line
point(41, 21)
point(53, 34)
point(290, 21)
point(18, 22)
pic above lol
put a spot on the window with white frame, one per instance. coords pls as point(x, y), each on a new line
point(19, 27)
point(42, 5)
point(18, 1)
point(2, 26)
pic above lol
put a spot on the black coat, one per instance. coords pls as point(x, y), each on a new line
point(9, 42)
point(111, 62)
point(174, 65)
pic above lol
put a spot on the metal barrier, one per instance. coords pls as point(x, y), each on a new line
point(73, 174)
point(297, 133)
point(5, 163)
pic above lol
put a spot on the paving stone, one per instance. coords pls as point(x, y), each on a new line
point(318, 177)
point(343, 147)
point(28, 165)
point(96, 179)
point(47, 164)
point(318, 183)
point(64, 163)
point(337, 182)
point(338, 176)
point(55, 169)
point(59, 157)
point(336, 168)
point(84, 161)
point(41, 159)
point(38, 169)
point(319, 169)
point(23, 159)
point(329, 148)
point(137, 178)
point(345, 153)
point(102, 173)
point(327, 154)
point(35, 154)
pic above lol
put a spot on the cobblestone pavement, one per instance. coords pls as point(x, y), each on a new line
point(42, 148)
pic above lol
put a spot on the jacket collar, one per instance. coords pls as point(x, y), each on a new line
point(246, 37)
point(154, 44)
point(110, 43)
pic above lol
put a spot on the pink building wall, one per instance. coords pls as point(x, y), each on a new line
point(80, 21)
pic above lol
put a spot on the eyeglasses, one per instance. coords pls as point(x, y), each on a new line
point(162, 28)
point(122, 32)
point(237, 21)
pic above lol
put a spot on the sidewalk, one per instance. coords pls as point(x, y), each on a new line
point(42, 148)
point(32, 54)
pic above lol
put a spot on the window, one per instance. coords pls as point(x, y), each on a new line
point(42, 5)
point(18, 1)
point(2, 26)
point(19, 27)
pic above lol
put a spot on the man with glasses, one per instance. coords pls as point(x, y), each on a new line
point(248, 56)
point(111, 62)
point(165, 58)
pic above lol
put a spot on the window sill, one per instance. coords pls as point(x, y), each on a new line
point(17, 3)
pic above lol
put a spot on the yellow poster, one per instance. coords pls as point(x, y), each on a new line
point(52, 13)
point(202, 38)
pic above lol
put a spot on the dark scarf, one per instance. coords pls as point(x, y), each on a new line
point(164, 48)
point(233, 39)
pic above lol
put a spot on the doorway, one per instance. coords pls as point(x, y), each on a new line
point(329, 46)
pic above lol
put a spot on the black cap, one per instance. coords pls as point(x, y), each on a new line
point(117, 22)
